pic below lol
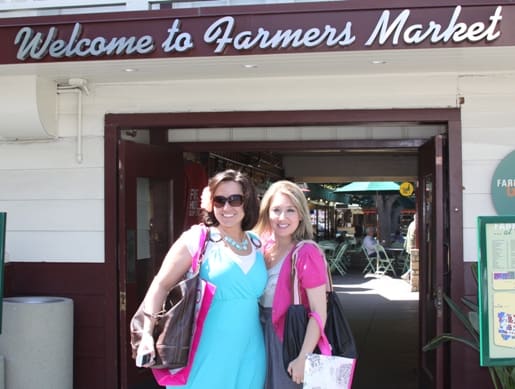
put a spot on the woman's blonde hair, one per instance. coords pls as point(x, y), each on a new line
point(296, 196)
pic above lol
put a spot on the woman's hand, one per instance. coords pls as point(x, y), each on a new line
point(146, 351)
point(296, 369)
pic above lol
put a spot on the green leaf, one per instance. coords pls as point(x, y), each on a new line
point(509, 374)
point(470, 304)
point(447, 337)
point(493, 377)
point(505, 376)
point(462, 317)
point(502, 376)
point(473, 268)
point(474, 320)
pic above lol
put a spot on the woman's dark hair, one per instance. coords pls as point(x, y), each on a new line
point(250, 200)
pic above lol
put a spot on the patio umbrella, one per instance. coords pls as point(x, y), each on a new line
point(368, 186)
point(383, 204)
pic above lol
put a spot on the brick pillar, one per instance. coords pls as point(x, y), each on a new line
point(415, 270)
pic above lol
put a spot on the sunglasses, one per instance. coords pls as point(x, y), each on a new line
point(235, 200)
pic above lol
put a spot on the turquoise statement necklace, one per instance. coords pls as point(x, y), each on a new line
point(242, 246)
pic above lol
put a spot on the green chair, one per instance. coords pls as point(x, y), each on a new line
point(339, 262)
point(384, 262)
point(371, 262)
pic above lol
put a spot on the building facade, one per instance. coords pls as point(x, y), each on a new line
point(404, 79)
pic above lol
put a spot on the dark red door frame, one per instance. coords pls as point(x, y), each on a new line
point(114, 123)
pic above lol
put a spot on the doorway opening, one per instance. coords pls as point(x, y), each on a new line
point(361, 162)
point(382, 308)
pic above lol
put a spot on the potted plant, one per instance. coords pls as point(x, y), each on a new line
point(503, 377)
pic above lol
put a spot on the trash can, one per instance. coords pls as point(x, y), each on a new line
point(37, 342)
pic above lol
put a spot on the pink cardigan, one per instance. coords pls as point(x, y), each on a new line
point(311, 272)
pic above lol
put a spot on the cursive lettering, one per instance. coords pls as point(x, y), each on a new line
point(37, 46)
point(221, 33)
point(417, 33)
point(177, 40)
point(226, 33)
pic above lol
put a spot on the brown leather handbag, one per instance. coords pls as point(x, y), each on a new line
point(174, 324)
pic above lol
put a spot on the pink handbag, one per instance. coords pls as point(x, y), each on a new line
point(205, 294)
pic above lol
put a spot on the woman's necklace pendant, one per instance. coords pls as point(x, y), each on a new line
point(241, 246)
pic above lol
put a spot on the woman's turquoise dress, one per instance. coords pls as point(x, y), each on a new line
point(231, 353)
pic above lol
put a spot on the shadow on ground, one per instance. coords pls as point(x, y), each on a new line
point(383, 315)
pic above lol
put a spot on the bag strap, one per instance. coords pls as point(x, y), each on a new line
point(294, 281)
point(329, 287)
point(199, 255)
point(323, 342)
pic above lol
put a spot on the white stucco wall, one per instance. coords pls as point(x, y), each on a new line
point(55, 204)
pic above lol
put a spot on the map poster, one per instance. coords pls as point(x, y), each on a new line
point(496, 290)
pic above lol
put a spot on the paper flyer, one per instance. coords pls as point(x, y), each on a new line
point(504, 319)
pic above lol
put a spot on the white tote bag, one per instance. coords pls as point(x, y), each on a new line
point(328, 372)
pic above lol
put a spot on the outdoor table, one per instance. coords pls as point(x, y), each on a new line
point(328, 246)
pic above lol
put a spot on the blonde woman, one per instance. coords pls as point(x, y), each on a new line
point(284, 222)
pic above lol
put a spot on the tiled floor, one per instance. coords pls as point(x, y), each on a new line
point(383, 314)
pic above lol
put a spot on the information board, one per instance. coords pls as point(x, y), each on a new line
point(496, 290)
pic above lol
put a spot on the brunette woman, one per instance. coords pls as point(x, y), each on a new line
point(231, 353)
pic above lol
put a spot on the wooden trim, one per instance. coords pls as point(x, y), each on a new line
point(458, 367)
point(279, 118)
point(450, 117)
point(111, 253)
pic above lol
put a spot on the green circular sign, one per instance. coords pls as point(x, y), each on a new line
point(503, 186)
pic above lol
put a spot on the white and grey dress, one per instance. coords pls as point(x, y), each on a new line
point(276, 376)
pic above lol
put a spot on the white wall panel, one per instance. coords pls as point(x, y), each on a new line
point(55, 154)
point(477, 176)
point(488, 128)
point(63, 184)
point(55, 215)
point(494, 122)
point(470, 248)
point(483, 151)
point(54, 205)
point(92, 114)
point(50, 246)
point(475, 205)
point(485, 84)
